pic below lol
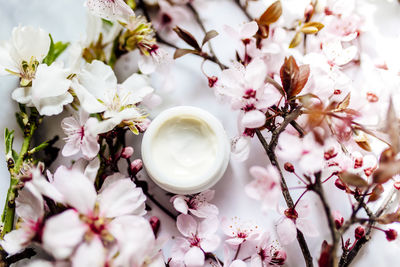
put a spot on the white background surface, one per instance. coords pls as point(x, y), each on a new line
point(66, 21)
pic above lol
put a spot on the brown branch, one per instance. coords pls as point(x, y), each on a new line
point(348, 256)
point(213, 57)
point(243, 9)
point(270, 150)
point(317, 188)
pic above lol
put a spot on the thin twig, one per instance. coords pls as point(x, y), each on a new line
point(243, 9)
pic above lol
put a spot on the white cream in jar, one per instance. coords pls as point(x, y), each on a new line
point(185, 150)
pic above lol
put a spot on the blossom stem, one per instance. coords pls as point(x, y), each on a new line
point(270, 150)
point(9, 207)
point(237, 252)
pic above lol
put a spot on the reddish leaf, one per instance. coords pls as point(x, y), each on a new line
point(304, 73)
point(272, 14)
point(289, 75)
point(353, 179)
point(386, 171)
point(325, 258)
point(187, 37)
point(376, 193)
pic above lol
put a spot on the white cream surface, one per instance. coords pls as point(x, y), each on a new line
point(184, 147)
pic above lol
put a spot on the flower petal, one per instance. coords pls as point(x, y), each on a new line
point(253, 119)
point(180, 204)
point(194, 257)
point(286, 231)
point(62, 233)
point(186, 225)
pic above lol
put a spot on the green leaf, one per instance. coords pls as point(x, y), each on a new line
point(55, 51)
point(9, 140)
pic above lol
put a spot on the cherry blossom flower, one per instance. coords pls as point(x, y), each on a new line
point(306, 151)
point(49, 90)
point(266, 254)
point(32, 176)
point(198, 205)
point(24, 52)
point(168, 17)
point(199, 239)
point(30, 208)
point(295, 219)
point(110, 9)
point(336, 54)
point(266, 186)
point(243, 36)
point(238, 231)
point(80, 136)
point(97, 90)
point(246, 89)
point(93, 215)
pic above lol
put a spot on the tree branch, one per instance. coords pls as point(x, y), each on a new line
point(243, 9)
point(270, 150)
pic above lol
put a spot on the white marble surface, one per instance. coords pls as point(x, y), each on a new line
point(65, 20)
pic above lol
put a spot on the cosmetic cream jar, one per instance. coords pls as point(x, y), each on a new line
point(185, 150)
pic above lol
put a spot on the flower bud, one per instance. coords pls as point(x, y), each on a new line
point(155, 224)
point(136, 166)
point(127, 152)
point(338, 218)
point(212, 81)
point(359, 232)
point(279, 257)
point(339, 184)
point(289, 167)
point(391, 234)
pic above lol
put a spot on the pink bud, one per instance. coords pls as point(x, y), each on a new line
point(338, 219)
point(212, 81)
point(289, 167)
point(391, 234)
point(155, 224)
point(339, 184)
point(136, 166)
point(359, 232)
point(279, 257)
point(127, 152)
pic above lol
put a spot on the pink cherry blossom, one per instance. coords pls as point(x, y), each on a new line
point(110, 9)
point(266, 253)
point(336, 54)
point(306, 151)
point(80, 136)
point(199, 238)
point(265, 186)
point(30, 208)
point(198, 205)
point(92, 215)
point(243, 36)
point(246, 89)
point(238, 231)
point(296, 219)
point(169, 16)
